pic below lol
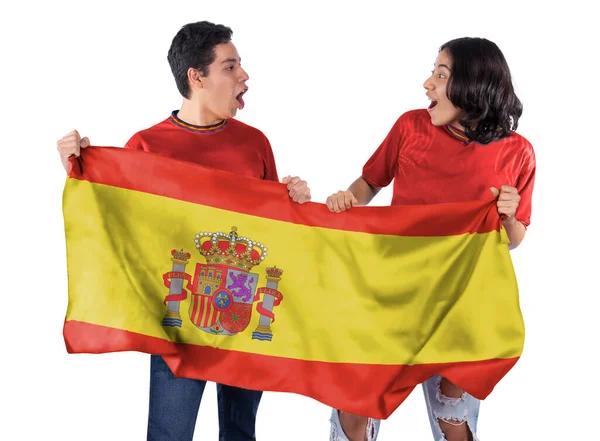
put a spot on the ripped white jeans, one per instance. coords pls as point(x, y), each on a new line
point(439, 407)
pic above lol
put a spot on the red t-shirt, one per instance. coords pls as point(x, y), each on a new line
point(229, 145)
point(433, 165)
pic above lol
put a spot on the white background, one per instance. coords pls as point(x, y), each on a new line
point(327, 81)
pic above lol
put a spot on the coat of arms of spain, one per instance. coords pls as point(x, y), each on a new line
point(223, 290)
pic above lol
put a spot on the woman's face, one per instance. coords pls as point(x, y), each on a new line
point(441, 110)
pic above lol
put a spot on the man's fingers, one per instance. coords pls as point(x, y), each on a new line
point(348, 200)
point(72, 137)
point(298, 187)
point(68, 140)
point(329, 203)
point(336, 204)
point(304, 196)
point(71, 143)
point(301, 196)
point(293, 181)
point(67, 148)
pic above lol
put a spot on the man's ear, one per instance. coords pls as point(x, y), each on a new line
point(195, 79)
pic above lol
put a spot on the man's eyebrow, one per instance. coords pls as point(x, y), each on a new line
point(231, 60)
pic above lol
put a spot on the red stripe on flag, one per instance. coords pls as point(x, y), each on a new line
point(347, 386)
point(204, 311)
point(186, 181)
point(195, 308)
point(209, 311)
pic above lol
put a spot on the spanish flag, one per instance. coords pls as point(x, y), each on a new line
point(232, 282)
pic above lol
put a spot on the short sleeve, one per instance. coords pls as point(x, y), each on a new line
point(270, 173)
point(381, 168)
point(524, 186)
point(135, 142)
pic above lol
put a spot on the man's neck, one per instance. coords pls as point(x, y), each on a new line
point(194, 113)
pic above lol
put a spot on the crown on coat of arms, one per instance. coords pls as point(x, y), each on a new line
point(230, 249)
point(180, 255)
point(274, 272)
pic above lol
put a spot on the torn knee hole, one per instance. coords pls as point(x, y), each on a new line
point(455, 429)
point(452, 422)
point(449, 390)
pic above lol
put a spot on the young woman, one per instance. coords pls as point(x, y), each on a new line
point(463, 147)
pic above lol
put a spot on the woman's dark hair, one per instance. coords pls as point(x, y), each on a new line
point(194, 47)
point(480, 84)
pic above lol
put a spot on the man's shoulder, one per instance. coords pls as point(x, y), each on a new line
point(245, 129)
point(156, 128)
point(140, 137)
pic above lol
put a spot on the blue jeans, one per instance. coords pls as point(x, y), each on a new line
point(440, 407)
point(174, 404)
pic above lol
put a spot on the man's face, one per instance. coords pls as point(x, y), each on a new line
point(225, 84)
point(441, 110)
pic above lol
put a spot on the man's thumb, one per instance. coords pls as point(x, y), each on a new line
point(85, 142)
point(495, 191)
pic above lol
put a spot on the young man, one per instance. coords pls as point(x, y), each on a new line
point(208, 73)
point(463, 147)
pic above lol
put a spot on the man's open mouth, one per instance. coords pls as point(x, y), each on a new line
point(239, 98)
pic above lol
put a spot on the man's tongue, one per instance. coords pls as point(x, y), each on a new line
point(433, 104)
point(240, 100)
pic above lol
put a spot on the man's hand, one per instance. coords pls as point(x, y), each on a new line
point(341, 201)
point(298, 189)
point(71, 145)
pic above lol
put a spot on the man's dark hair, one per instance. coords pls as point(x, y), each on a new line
point(194, 47)
point(480, 84)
